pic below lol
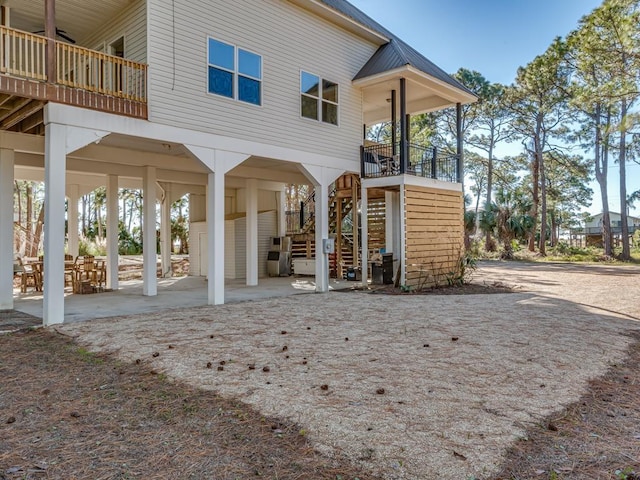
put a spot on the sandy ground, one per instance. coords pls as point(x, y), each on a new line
point(411, 387)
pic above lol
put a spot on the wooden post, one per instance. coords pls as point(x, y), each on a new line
point(50, 33)
point(338, 199)
point(394, 122)
point(403, 126)
point(460, 144)
point(354, 216)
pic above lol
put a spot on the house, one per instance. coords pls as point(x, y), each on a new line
point(226, 101)
point(591, 231)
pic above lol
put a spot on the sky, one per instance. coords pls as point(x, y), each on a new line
point(493, 37)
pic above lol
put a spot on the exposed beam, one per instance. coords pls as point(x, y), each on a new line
point(21, 114)
point(20, 102)
point(32, 122)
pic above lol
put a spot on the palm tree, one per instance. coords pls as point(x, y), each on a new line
point(508, 218)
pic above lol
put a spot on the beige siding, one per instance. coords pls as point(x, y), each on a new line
point(130, 23)
point(434, 234)
point(289, 39)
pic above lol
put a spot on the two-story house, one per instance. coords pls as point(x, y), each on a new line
point(227, 101)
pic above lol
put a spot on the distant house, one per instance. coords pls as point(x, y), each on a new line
point(591, 231)
point(228, 102)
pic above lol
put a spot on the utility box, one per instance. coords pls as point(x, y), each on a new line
point(328, 246)
point(278, 264)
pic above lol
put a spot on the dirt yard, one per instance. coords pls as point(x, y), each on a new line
point(406, 387)
point(541, 383)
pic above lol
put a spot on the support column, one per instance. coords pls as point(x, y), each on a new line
point(364, 235)
point(251, 200)
point(215, 237)
point(389, 217)
point(322, 232)
point(404, 146)
point(460, 146)
point(149, 246)
point(72, 220)
point(113, 211)
point(282, 212)
point(165, 231)
point(7, 164)
point(55, 159)
point(355, 216)
point(394, 123)
point(50, 33)
point(403, 238)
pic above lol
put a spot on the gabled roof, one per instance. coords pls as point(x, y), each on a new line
point(394, 54)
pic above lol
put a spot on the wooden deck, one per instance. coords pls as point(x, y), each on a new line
point(79, 77)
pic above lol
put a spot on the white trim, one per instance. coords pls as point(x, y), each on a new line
point(414, 180)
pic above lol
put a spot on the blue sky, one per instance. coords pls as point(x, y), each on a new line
point(494, 37)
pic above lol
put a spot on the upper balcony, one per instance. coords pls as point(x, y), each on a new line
point(35, 69)
point(384, 160)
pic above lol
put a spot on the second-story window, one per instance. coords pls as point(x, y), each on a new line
point(234, 72)
point(318, 98)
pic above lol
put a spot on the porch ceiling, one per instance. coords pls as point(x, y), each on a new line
point(78, 18)
point(424, 94)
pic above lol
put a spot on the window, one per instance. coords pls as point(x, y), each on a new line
point(234, 72)
point(318, 98)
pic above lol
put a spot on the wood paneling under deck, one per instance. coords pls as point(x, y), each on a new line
point(434, 233)
point(22, 93)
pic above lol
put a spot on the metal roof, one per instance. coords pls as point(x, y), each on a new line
point(394, 54)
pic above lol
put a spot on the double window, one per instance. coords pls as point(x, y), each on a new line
point(234, 72)
point(318, 98)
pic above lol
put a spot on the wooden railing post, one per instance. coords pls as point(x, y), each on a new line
point(50, 33)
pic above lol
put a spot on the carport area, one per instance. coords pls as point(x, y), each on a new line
point(173, 293)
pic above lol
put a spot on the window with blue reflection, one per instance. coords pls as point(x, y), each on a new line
point(234, 73)
point(249, 64)
point(221, 54)
point(248, 90)
point(220, 82)
point(309, 84)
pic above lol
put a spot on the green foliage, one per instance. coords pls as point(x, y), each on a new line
point(88, 247)
point(463, 270)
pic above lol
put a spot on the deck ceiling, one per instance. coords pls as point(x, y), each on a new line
point(78, 18)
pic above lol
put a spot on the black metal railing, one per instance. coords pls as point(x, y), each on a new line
point(615, 230)
point(383, 160)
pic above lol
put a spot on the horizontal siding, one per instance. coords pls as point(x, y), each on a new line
point(289, 39)
point(434, 232)
point(130, 23)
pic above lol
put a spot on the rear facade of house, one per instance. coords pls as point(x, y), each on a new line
point(227, 102)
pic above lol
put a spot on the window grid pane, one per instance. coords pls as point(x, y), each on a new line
point(330, 113)
point(330, 91)
point(220, 82)
point(249, 64)
point(248, 90)
point(309, 107)
point(310, 84)
point(221, 54)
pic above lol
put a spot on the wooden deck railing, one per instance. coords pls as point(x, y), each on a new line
point(80, 67)
point(22, 54)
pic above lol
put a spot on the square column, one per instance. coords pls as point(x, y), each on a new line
point(251, 196)
point(165, 231)
point(55, 159)
point(282, 212)
point(149, 246)
point(215, 237)
point(322, 232)
point(364, 235)
point(6, 228)
point(113, 216)
point(73, 195)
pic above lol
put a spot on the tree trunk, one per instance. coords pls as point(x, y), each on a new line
point(601, 151)
point(38, 233)
point(543, 208)
point(489, 245)
point(535, 175)
point(626, 252)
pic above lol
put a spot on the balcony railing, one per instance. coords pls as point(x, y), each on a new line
point(23, 55)
point(98, 72)
point(383, 160)
point(615, 230)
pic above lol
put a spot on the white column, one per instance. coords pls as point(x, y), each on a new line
point(72, 220)
point(54, 180)
point(364, 235)
point(149, 250)
point(322, 232)
point(215, 237)
point(403, 238)
point(282, 212)
point(6, 228)
point(251, 201)
point(113, 216)
point(165, 231)
point(389, 213)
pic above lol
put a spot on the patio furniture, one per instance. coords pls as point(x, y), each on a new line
point(83, 271)
point(29, 273)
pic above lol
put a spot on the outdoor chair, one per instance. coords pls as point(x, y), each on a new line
point(28, 274)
